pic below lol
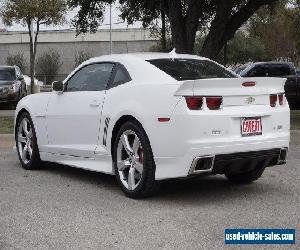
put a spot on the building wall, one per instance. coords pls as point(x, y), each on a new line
point(68, 45)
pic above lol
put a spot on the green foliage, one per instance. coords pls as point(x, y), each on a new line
point(48, 65)
point(243, 49)
point(278, 29)
point(42, 11)
point(18, 60)
point(90, 14)
point(81, 56)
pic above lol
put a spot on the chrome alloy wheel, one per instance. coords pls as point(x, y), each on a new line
point(130, 158)
point(25, 140)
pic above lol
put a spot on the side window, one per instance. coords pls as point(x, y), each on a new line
point(121, 76)
point(258, 71)
point(279, 70)
point(93, 77)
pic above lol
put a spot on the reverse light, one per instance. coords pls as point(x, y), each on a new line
point(194, 102)
point(214, 103)
point(273, 100)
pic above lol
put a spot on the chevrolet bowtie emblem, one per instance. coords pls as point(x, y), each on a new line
point(250, 100)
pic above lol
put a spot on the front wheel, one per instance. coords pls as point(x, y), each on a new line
point(26, 143)
point(133, 161)
point(245, 178)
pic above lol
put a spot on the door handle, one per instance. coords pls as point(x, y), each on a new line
point(94, 104)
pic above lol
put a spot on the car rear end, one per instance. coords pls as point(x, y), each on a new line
point(226, 125)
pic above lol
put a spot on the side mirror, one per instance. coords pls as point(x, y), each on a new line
point(58, 86)
point(20, 78)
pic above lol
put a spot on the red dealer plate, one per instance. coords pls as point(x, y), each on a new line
point(251, 126)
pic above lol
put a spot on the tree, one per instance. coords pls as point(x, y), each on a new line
point(48, 65)
point(81, 56)
point(278, 29)
point(18, 60)
point(220, 19)
point(32, 13)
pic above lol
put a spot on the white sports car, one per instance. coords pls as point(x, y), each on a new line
point(154, 116)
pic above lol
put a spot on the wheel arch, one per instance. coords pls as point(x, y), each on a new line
point(20, 112)
point(118, 124)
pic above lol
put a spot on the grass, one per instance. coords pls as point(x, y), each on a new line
point(6, 125)
point(295, 119)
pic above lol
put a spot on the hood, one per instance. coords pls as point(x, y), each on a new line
point(5, 83)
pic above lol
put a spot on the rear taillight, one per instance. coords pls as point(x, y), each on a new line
point(281, 99)
point(273, 100)
point(276, 99)
point(214, 103)
point(194, 102)
point(198, 102)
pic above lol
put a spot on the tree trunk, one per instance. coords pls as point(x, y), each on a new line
point(163, 27)
point(225, 25)
point(31, 55)
point(184, 28)
point(178, 29)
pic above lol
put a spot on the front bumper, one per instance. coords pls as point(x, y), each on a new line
point(9, 97)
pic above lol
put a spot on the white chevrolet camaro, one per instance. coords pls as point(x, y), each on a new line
point(154, 116)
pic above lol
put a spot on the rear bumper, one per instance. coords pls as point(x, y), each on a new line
point(239, 162)
point(239, 155)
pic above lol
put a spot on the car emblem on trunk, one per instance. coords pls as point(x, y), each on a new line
point(250, 100)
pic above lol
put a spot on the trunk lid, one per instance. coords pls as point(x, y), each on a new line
point(233, 91)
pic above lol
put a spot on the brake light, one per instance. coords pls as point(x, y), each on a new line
point(281, 99)
point(214, 103)
point(194, 102)
point(273, 100)
point(248, 84)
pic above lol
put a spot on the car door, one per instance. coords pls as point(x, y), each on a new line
point(74, 116)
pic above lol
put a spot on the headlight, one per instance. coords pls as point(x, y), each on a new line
point(15, 87)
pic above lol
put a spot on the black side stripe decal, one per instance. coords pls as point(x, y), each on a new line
point(107, 120)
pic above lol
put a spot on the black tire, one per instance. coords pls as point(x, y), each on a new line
point(147, 185)
point(35, 161)
point(245, 178)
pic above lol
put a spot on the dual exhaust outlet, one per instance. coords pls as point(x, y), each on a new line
point(205, 164)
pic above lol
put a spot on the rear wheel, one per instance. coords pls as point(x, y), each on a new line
point(133, 161)
point(245, 178)
point(26, 143)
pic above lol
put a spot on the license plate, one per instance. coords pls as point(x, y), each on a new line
point(251, 126)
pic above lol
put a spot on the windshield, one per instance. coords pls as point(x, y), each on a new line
point(191, 69)
point(7, 75)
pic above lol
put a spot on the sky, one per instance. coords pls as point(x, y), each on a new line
point(116, 20)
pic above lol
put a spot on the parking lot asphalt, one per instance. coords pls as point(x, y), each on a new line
point(64, 208)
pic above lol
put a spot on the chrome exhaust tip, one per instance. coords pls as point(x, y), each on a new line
point(282, 156)
point(202, 164)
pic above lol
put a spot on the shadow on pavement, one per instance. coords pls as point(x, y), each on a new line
point(211, 189)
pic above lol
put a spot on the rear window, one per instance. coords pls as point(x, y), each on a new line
point(191, 69)
point(7, 74)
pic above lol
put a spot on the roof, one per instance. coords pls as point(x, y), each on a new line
point(137, 65)
point(7, 67)
point(143, 56)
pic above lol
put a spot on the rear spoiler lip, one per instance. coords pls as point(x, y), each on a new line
point(213, 86)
